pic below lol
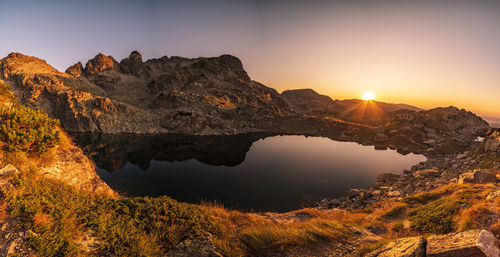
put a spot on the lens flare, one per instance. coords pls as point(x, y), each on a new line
point(368, 96)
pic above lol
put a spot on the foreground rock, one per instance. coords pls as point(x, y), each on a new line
point(403, 247)
point(201, 247)
point(478, 177)
point(472, 243)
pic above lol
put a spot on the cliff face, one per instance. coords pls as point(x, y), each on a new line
point(197, 96)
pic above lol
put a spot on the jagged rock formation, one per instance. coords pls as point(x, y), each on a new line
point(75, 70)
point(197, 96)
point(100, 63)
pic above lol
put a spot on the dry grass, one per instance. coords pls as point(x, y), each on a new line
point(268, 237)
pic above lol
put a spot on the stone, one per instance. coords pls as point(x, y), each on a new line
point(472, 243)
point(477, 177)
point(402, 247)
point(493, 195)
point(428, 173)
point(200, 247)
point(8, 169)
point(430, 141)
point(394, 193)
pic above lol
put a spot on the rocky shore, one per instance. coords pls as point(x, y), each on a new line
point(478, 165)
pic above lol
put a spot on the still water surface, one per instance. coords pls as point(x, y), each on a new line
point(249, 172)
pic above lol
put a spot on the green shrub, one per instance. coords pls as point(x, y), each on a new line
point(27, 130)
point(395, 211)
point(436, 217)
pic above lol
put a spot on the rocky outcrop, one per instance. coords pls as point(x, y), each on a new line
point(465, 244)
point(200, 247)
point(478, 177)
point(134, 65)
point(100, 63)
point(472, 243)
point(72, 167)
point(75, 70)
point(403, 247)
point(492, 141)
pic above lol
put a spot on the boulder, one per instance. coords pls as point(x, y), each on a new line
point(477, 177)
point(403, 247)
point(428, 173)
point(8, 169)
point(201, 247)
point(472, 243)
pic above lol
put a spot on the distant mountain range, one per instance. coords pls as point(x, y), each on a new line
point(307, 101)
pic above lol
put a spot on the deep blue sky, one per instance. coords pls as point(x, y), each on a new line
point(424, 52)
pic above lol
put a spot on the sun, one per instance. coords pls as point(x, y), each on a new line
point(368, 96)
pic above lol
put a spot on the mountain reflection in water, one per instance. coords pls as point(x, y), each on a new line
point(247, 171)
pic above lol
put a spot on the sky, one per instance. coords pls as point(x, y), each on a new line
point(426, 53)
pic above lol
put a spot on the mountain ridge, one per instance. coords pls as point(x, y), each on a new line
point(207, 96)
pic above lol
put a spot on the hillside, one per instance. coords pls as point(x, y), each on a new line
point(307, 101)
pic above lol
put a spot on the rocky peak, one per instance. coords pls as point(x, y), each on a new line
point(100, 63)
point(23, 65)
point(225, 65)
point(75, 70)
point(134, 65)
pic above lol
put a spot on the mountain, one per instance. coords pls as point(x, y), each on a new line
point(307, 101)
point(197, 96)
point(215, 96)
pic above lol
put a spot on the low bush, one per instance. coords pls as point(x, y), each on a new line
point(27, 130)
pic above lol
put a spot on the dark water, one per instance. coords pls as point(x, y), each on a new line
point(250, 172)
